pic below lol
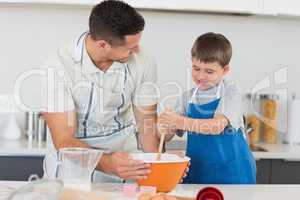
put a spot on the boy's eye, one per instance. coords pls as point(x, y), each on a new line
point(209, 71)
point(196, 68)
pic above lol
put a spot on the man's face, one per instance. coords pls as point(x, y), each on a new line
point(122, 53)
point(207, 75)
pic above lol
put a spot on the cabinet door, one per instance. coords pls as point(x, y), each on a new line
point(263, 175)
point(285, 172)
point(289, 7)
point(15, 168)
point(228, 6)
point(282, 7)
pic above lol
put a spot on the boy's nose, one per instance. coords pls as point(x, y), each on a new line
point(201, 76)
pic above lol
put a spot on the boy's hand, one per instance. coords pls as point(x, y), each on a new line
point(187, 169)
point(169, 121)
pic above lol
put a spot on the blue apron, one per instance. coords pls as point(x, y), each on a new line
point(218, 159)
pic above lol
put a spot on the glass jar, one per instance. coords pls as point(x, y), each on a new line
point(270, 117)
point(253, 115)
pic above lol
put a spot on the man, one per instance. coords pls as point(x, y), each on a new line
point(108, 90)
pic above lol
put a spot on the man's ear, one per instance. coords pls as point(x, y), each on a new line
point(226, 69)
point(102, 44)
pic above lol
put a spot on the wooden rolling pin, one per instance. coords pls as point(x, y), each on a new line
point(73, 194)
point(184, 198)
point(147, 196)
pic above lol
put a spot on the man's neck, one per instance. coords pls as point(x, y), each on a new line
point(100, 62)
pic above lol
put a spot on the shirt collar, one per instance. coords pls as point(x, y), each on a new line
point(88, 67)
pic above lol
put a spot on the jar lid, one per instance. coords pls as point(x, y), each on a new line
point(270, 96)
point(253, 96)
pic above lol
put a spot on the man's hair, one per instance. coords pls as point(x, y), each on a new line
point(212, 47)
point(112, 20)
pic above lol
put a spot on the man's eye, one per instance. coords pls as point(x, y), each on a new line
point(209, 72)
point(196, 69)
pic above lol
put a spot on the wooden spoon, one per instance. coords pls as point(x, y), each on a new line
point(161, 145)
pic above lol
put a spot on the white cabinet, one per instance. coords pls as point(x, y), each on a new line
point(264, 7)
point(282, 7)
point(227, 6)
point(270, 7)
point(224, 6)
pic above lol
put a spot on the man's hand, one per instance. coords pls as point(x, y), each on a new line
point(122, 165)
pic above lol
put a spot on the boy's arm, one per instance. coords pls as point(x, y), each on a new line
point(214, 126)
point(173, 121)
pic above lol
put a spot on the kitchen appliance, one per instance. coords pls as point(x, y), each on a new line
point(12, 130)
point(74, 167)
point(36, 127)
point(31, 124)
point(293, 134)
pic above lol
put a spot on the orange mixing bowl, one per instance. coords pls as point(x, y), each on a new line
point(165, 173)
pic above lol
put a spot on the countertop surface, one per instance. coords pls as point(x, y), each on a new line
point(274, 151)
point(230, 192)
point(24, 148)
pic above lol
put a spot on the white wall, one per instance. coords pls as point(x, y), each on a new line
point(261, 45)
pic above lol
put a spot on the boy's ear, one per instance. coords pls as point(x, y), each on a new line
point(226, 69)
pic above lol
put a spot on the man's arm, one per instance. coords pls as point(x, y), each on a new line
point(63, 127)
point(146, 119)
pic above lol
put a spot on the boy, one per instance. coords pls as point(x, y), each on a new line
point(211, 115)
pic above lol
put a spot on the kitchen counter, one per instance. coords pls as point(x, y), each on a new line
point(278, 151)
point(24, 148)
point(231, 192)
point(274, 151)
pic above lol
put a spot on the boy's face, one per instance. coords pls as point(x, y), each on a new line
point(207, 75)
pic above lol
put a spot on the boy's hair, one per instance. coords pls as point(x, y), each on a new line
point(212, 47)
point(112, 20)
